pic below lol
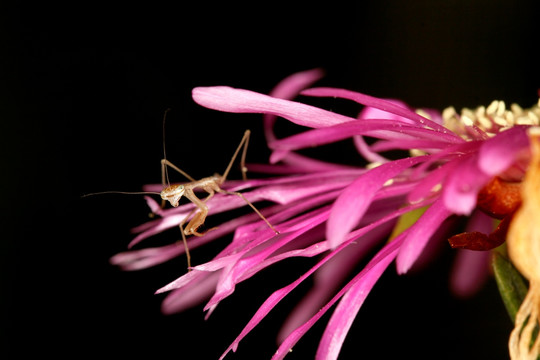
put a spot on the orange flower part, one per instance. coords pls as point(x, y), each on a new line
point(499, 198)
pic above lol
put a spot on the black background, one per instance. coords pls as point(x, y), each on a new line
point(85, 87)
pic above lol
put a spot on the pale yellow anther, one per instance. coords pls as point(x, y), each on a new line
point(501, 108)
point(522, 120)
point(492, 108)
point(500, 121)
point(423, 113)
point(481, 111)
point(449, 112)
point(510, 118)
point(467, 121)
point(485, 123)
point(373, 165)
point(491, 119)
point(516, 109)
point(533, 117)
point(468, 112)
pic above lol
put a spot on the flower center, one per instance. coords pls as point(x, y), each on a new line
point(491, 120)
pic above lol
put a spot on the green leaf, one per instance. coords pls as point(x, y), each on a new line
point(512, 285)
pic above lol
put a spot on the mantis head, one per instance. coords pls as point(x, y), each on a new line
point(173, 194)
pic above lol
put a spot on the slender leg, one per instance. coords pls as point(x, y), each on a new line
point(186, 247)
point(243, 167)
point(240, 195)
point(164, 180)
point(244, 143)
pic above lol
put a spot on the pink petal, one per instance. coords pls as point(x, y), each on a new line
point(353, 202)
point(291, 86)
point(189, 296)
point(287, 89)
point(223, 260)
point(366, 151)
point(469, 272)
point(288, 193)
point(160, 226)
point(329, 278)
point(499, 153)
point(269, 304)
point(434, 114)
point(294, 163)
point(385, 105)
point(427, 186)
point(461, 187)
point(450, 153)
point(407, 144)
point(374, 113)
point(345, 313)
point(384, 129)
point(228, 99)
point(307, 165)
point(419, 235)
point(362, 284)
point(183, 280)
point(471, 268)
point(144, 258)
point(234, 271)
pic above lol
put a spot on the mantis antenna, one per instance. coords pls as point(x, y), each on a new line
point(122, 192)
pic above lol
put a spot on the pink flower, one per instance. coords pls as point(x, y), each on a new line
point(337, 214)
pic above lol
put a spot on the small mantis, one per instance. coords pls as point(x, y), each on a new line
point(211, 185)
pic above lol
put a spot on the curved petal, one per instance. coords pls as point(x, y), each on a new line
point(145, 258)
point(353, 202)
point(278, 295)
point(383, 129)
point(227, 99)
point(287, 89)
point(385, 105)
point(408, 144)
point(469, 271)
point(419, 235)
point(328, 279)
point(192, 295)
point(376, 113)
point(366, 151)
point(460, 190)
point(345, 313)
point(498, 153)
point(362, 284)
point(272, 301)
point(235, 270)
point(430, 184)
point(471, 268)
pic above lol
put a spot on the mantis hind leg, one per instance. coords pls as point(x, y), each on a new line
point(243, 143)
point(241, 196)
point(186, 247)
